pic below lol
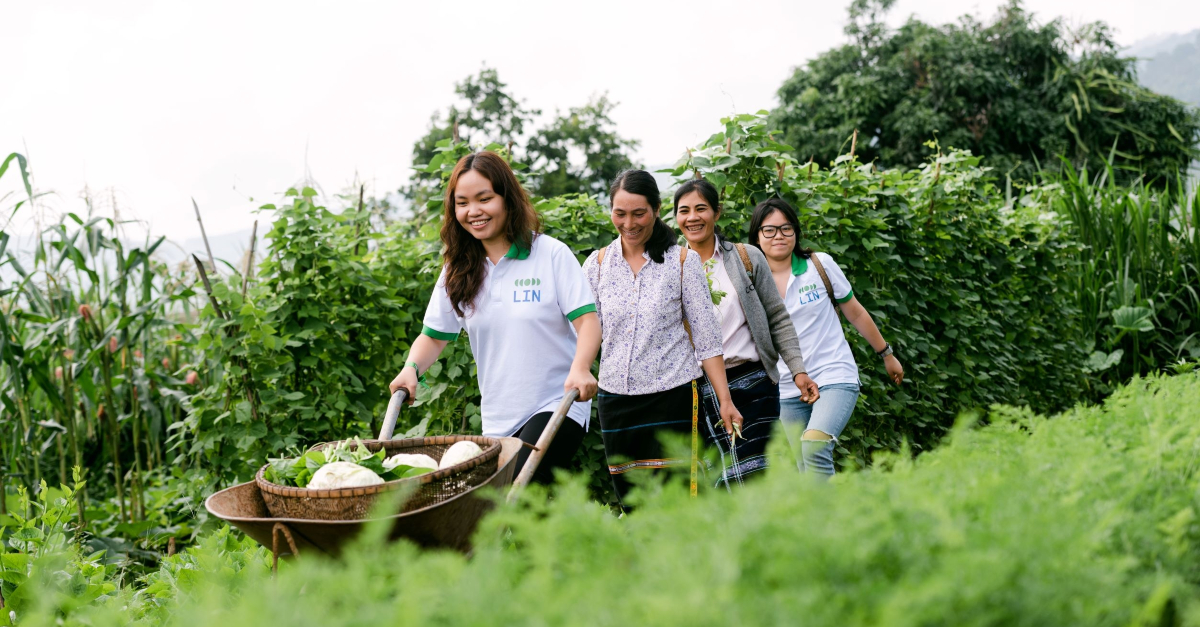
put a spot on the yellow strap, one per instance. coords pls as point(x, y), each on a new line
point(695, 436)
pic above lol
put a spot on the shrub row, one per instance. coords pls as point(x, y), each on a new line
point(1087, 518)
point(969, 285)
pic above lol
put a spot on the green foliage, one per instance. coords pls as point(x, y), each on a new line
point(1088, 518)
point(1019, 92)
point(298, 471)
point(574, 153)
point(1139, 269)
point(93, 362)
point(587, 130)
point(971, 289)
point(307, 350)
point(43, 563)
point(489, 113)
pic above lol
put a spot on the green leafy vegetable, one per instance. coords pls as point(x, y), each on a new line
point(298, 471)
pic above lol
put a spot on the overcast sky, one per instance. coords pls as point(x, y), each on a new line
point(152, 103)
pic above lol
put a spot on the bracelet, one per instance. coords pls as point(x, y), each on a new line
point(887, 350)
point(420, 377)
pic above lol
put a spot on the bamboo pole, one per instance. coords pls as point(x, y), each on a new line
point(212, 262)
point(250, 260)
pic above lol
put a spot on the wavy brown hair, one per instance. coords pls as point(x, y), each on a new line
point(463, 254)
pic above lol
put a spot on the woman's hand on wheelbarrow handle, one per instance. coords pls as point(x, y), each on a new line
point(582, 380)
point(407, 381)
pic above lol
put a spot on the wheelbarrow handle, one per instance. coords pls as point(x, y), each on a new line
point(544, 440)
point(393, 412)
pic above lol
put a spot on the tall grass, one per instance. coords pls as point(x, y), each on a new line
point(1139, 268)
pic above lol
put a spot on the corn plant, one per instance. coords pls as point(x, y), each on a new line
point(96, 350)
point(1138, 282)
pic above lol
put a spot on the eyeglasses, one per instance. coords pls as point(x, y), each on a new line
point(770, 231)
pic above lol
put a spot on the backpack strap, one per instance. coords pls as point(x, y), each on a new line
point(600, 256)
point(687, 326)
point(828, 286)
point(741, 248)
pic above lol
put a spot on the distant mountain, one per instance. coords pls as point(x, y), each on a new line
point(1170, 64)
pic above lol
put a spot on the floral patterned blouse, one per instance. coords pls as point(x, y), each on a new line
point(644, 347)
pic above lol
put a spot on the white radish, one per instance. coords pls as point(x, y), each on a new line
point(410, 459)
point(343, 475)
point(459, 453)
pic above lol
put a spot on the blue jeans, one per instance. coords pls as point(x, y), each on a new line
point(828, 415)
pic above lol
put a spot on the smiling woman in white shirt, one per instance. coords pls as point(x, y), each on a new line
point(648, 290)
point(526, 306)
point(755, 330)
point(813, 429)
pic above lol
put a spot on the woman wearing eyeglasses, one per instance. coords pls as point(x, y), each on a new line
point(813, 429)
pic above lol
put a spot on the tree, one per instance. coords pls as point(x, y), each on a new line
point(580, 152)
point(490, 113)
point(1018, 92)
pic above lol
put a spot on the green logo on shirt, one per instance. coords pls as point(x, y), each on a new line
point(527, 296)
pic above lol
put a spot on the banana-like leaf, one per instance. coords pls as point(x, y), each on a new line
point(1133, 319)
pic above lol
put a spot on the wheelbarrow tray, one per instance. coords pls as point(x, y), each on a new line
point(448, 524)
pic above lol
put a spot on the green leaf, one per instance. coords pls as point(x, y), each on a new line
point(1133, 319)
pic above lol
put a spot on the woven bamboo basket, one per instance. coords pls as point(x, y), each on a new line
point(355, 503)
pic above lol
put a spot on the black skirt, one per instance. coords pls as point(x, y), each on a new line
point(630, 426)
point(757, 399)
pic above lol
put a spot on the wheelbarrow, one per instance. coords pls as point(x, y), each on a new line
point(446, 524)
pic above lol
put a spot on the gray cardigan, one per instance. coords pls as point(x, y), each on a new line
point(770, 325)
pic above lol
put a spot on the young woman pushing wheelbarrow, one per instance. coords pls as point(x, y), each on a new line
point(525, 303)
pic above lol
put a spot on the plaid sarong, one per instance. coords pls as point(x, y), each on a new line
point(757, 398)
point(630, 426)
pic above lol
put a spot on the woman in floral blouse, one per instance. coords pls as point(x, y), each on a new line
point(648, 292)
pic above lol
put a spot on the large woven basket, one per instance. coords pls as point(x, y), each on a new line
point(355, 503)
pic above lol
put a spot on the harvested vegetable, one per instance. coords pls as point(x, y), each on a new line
point(459, 453)
point(342, 475)
point(414, 460)
point(299, 471)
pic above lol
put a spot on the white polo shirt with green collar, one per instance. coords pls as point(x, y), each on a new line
point(826, 352)
point(520, 332)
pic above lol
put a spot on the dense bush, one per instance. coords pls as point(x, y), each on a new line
point(972, 288)
point(307, 349)
point(1087, 518)
point(968, 285)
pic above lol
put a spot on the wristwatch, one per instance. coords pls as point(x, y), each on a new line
point(887, 350)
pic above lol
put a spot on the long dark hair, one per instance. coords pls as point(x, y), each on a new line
point(764, 209)
point(709, 192)
point(463, 253)
point(642, 183)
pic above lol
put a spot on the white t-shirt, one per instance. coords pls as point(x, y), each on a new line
point(827, 355)
point(520, 331)
point(735, 332)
